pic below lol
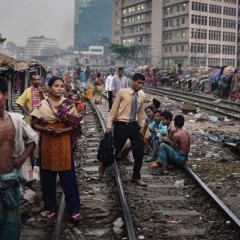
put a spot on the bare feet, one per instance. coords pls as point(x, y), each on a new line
point(156, 164)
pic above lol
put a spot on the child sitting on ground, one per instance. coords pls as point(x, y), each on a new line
point(81, 107)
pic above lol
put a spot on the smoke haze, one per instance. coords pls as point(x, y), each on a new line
point(21, 19)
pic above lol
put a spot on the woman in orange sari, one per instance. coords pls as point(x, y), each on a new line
point(88, 94)
point(57, 120)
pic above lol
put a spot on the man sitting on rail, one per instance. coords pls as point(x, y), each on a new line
point(174, 151)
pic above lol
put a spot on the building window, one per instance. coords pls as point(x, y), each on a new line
point(215, 9)
point(198, 33)
point(214, 35)
point(167, 35)
point(230, 1)
point(228, 62)
point(216, 22)
point(168, 10)
point(183, 20)
point(228, 50)
point(214, 62)
point(177, 48)
point(182, 48)
point(229, 36)
point(131, 9)
point(229, 11)
point(183, 34)
point(198, 47)
point(178, 34)
point(214, 48)
point(199, 20)
point(139, 28)
point(184, 6)
point(178, 7)
point(201, 7)
point(227, 23)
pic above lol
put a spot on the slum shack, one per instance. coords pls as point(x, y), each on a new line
point(18, 73)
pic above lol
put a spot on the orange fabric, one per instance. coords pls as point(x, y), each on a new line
point(79, 107)
point(56, 151)
point(89, 93)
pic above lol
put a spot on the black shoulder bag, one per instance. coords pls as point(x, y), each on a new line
point(106, 150)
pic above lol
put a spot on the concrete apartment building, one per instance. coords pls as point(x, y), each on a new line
point(169, 32)
point(41, 46)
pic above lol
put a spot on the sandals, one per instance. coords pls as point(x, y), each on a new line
point(76, 217)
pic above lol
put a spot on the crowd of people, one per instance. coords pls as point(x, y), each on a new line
point(51, 127)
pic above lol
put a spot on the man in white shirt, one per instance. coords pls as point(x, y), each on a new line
point(119, 81)
point(109, 87)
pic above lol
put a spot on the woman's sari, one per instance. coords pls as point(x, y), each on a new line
point(98, 87)
point(56, 151)
point(89, 94)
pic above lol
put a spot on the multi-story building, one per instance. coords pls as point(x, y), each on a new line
point(133, 23)
point(190, 32)
point(238, 38)
point(41, 46)
point(93, 24)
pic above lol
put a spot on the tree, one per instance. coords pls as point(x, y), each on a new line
point(2, 40)
point(124, 52)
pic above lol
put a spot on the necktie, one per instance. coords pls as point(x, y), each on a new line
point(134, 107)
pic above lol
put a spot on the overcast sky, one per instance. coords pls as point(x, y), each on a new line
point(20, 19)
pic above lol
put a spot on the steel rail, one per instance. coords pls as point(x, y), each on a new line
point(193, 101)
point(205, 100)
point(59, 221)
point(200, 95)
point(126, 213)
point(228, 212)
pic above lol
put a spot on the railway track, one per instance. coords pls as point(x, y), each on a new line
point(171, 207)
point(219, 106)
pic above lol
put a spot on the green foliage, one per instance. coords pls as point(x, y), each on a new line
point(2, 40)
point(124, 52)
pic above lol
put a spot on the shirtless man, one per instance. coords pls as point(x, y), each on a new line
point(16, 144)
point(173, 151)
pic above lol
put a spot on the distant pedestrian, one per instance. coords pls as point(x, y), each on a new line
point(109, 87)
point(82, 78)
point(119, 81)
point(126, 121)
point(87, 74)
